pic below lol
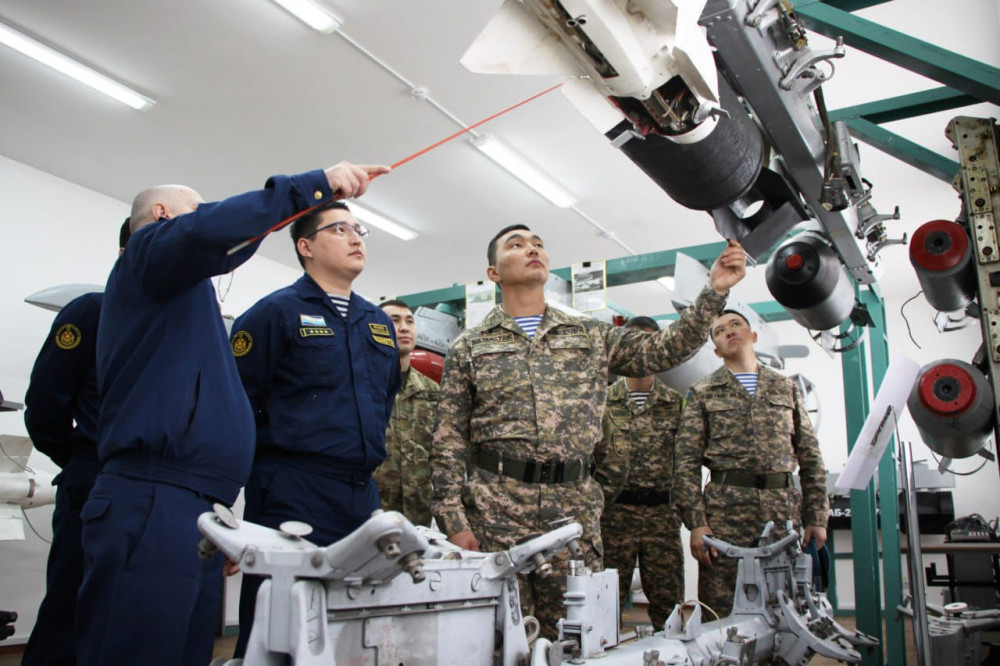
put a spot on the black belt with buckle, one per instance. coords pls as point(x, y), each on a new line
point(534, 471)
point(645, 497)
point(741, 479)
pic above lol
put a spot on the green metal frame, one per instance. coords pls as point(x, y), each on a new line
point(967, 81)
point(873, 356)
point(621, 271)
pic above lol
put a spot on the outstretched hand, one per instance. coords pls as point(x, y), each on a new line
point(729, 268)
point(351, 180)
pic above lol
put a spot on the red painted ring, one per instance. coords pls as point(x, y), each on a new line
point(921, 253)
point(963, 398)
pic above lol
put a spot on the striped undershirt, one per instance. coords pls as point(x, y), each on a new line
point(340, 304)
point(639, 398)
point(529, 324)
point(749, 381)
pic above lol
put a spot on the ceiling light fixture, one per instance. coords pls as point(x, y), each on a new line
point(72, 68)
point(373, 219)
point(668, 282)
point(313, 14)
point(524, 170)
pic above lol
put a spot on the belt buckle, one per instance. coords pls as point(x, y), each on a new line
point(545, 472)
point(762, 482)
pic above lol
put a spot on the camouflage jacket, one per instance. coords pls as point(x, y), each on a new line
point(404, 479)
point(543, 398)
point(637, 450)
point(725, 428)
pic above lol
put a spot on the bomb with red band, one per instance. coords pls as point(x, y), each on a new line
point(952, 406)
point(941, 255)
point(806, 277)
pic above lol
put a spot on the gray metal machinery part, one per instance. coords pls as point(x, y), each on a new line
point(978, 145)
point(763, 53)
point(952, 405)
point(941, 255)
point(353, 601)
point(806, 277)
point(707, 174)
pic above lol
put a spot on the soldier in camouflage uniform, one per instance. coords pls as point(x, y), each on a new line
point(523, 412)
point(404, 479)
point(752, 445)
point(635, 466)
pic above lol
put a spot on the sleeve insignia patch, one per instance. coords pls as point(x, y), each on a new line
point(619, 444)
point(379, 329)
point(68, 337)
point(382, 340)
point(242, 344)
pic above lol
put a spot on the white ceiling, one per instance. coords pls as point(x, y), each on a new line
point(244, 90)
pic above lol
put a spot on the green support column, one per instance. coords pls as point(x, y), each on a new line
point(864, 527)
point(888, 498)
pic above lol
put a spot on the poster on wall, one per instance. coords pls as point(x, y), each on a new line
point(589, 286)
point(480, 298)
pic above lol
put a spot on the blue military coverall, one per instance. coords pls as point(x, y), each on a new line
point(61, 417)
point(175, 432)
point(322, 389)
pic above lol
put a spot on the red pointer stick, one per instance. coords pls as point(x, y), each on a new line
point(288, 220)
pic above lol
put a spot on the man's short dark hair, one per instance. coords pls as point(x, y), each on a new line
point(308, 223)
point(396, 303)
point(642, 322)
point(737, 313)
point(491, 249)
point(124, 233)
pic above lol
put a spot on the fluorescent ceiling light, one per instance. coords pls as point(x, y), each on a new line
point(71, 68)
point(313, 14)
point(668, 282)
point(524, 170)
point(373, 219)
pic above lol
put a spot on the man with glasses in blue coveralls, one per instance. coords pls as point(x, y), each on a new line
point(176, 431)
point(321, 368)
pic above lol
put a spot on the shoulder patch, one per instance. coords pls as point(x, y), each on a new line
point(242, 344)
point(379, 329)
point(68, 336)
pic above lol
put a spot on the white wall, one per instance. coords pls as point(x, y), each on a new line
point(55, 232)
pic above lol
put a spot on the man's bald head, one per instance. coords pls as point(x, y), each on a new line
point(162, 201)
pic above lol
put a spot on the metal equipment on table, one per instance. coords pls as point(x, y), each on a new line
point(349, 603)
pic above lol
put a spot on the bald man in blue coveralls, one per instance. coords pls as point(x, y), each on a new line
point(321, 369)
point(176, 433)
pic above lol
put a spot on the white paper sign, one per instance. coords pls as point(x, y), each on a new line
point(880, 424)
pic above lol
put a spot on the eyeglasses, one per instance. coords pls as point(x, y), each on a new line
point(342, 229)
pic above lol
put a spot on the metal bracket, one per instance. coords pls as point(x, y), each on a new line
point(807, 61)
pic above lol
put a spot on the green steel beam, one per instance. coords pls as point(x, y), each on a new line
point(854, 5)
point(770, 311)
point(906, 106)
point(450, 296)
point(964, 74)
point(864, 532)
point(650, 266)
point(624, 270)
point(892, 566)
point(903, 149)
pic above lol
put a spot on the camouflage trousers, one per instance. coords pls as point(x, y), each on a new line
point(738, 515)
point(653, 535)
point(504, 512)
